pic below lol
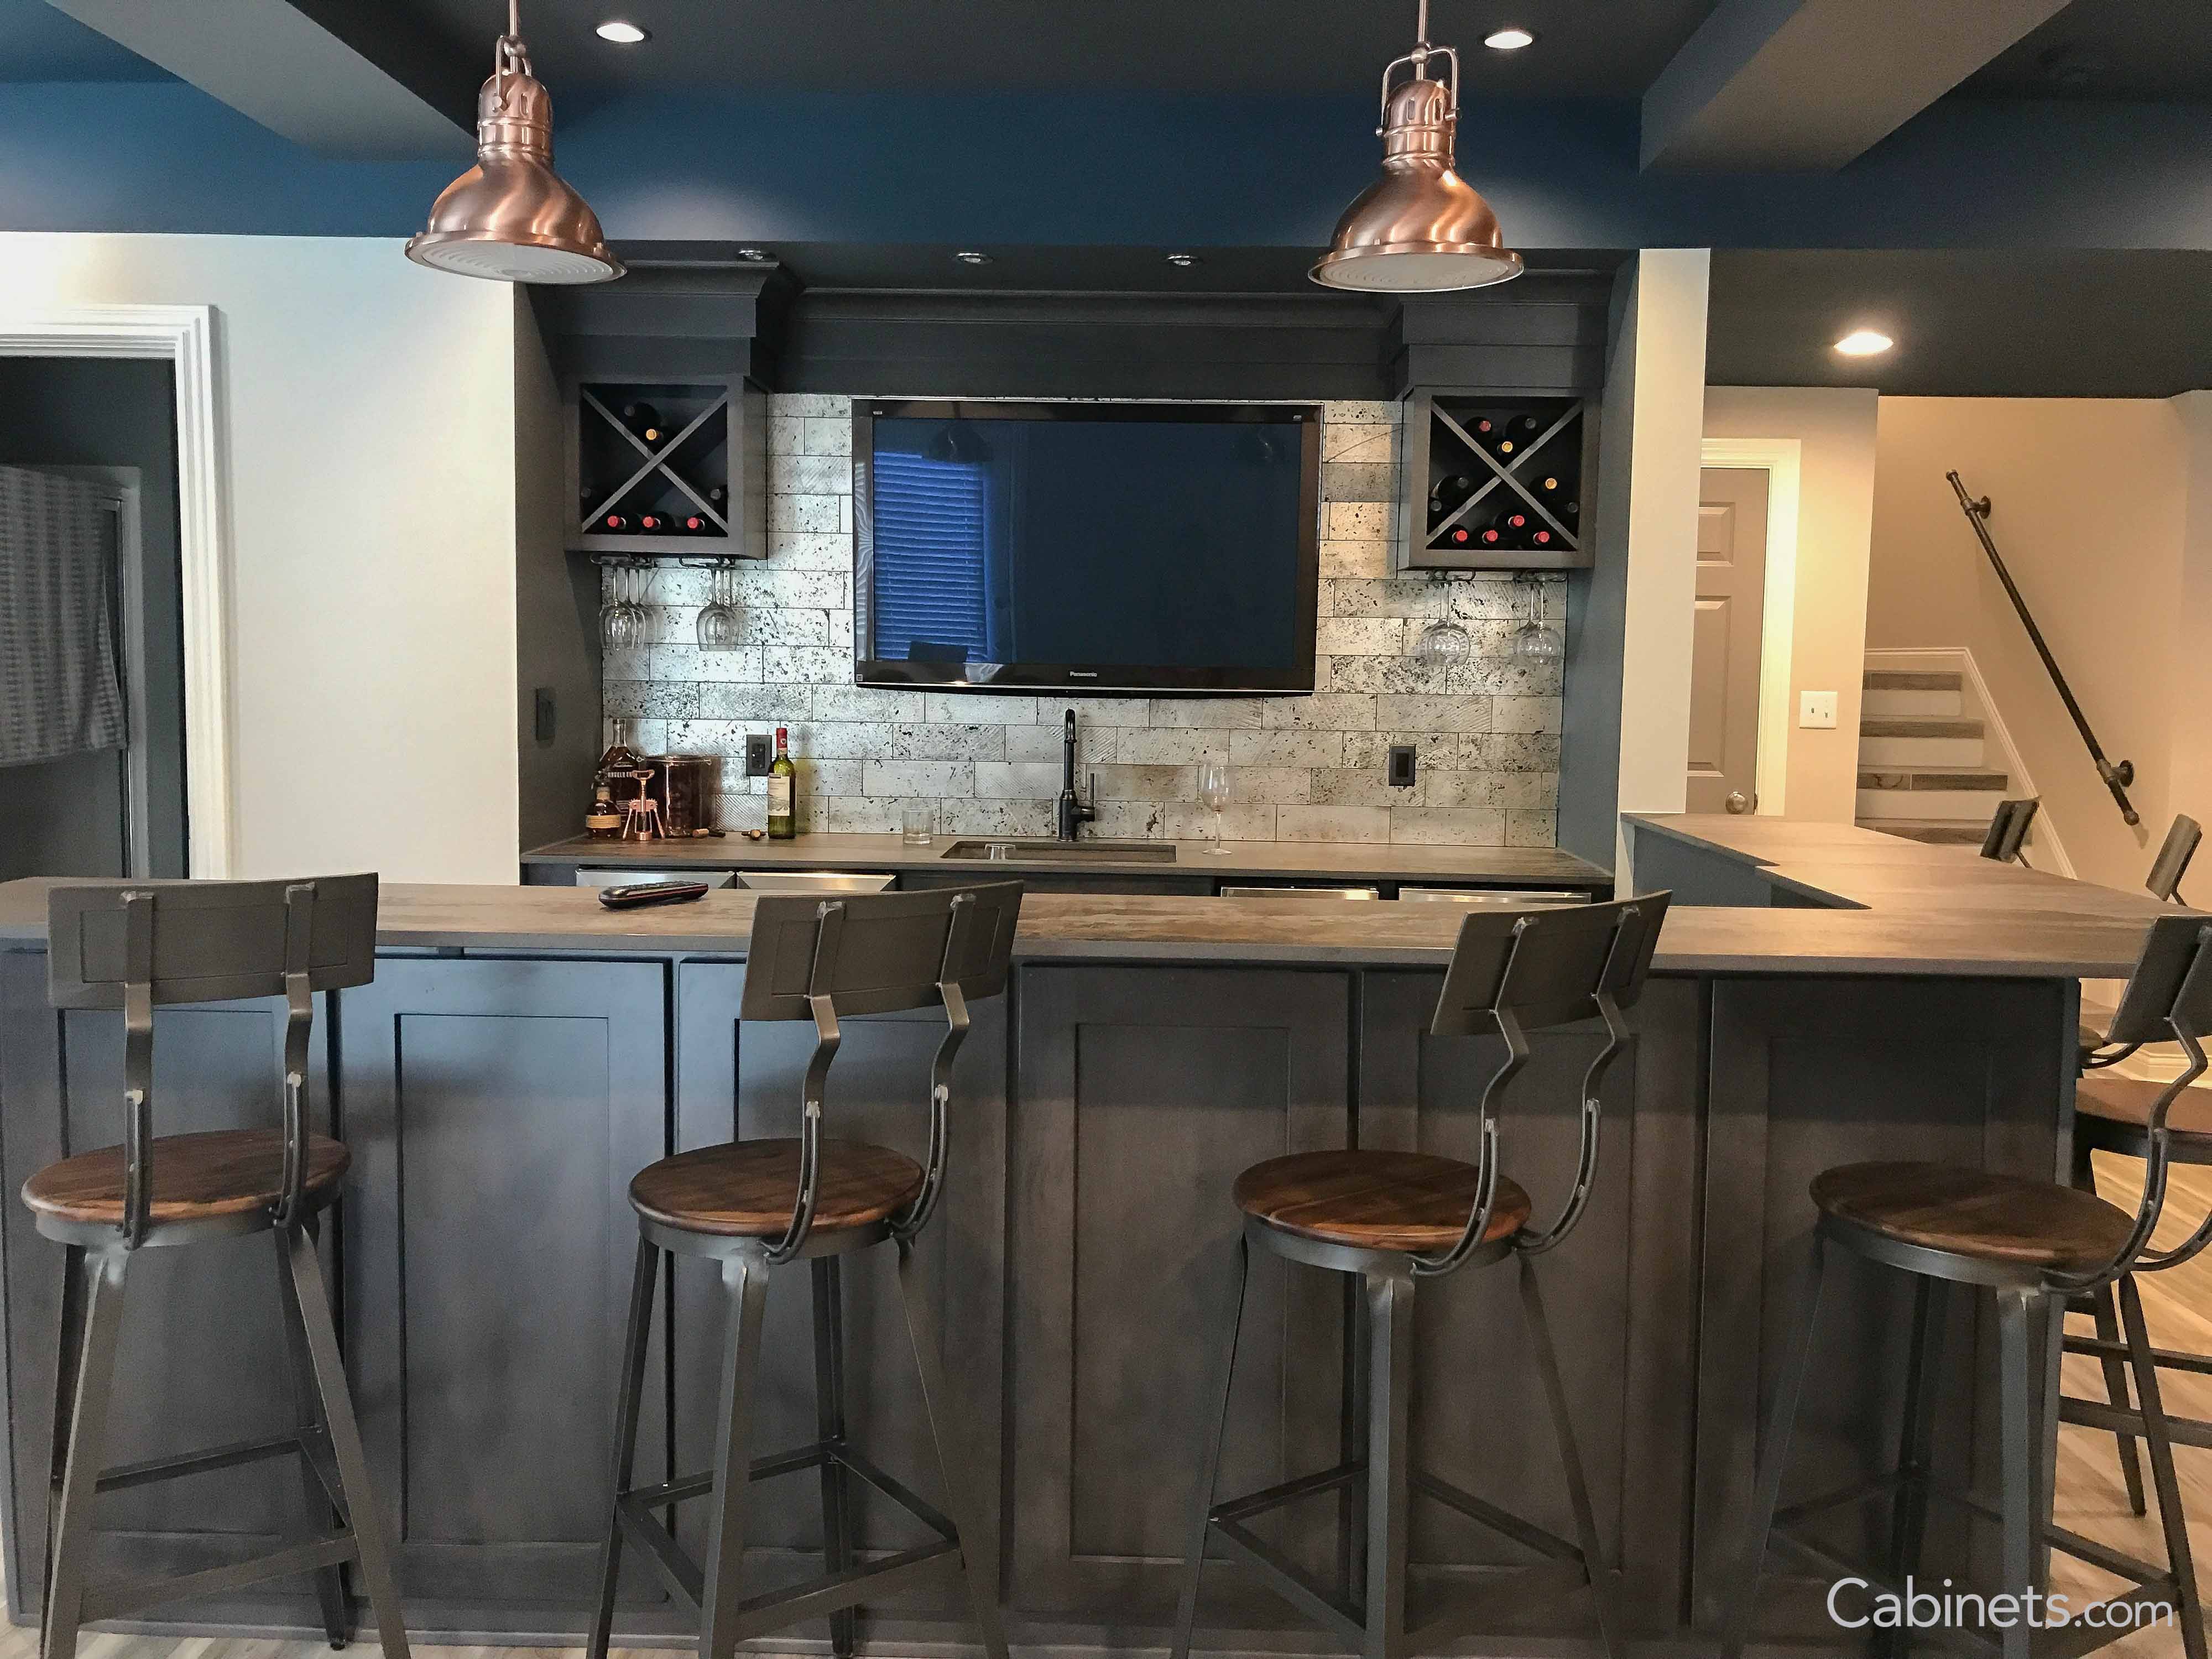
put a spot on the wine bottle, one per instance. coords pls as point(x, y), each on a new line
point(693, 524)
point(1510, 527)
point(1492, 536)
point(1540, 537)
point(782, 791)
point(614, 524)
point(1527, 427)
point(1458, 535)
point(716, 495)
point(1549, 486)
point(644, 419)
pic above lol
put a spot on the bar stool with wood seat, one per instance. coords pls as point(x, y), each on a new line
point(2028, 1242)
point(1394, 1218)
point(137, 946)
point(2113, 1114)
point(2109, 1113)
point(754, 1206)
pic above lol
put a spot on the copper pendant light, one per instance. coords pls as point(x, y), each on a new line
point(510, 217)
point(1420, 229)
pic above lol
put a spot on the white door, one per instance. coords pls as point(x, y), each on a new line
point(1724, 756)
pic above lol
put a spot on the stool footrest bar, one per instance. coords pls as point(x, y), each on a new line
point(761, 1469)
point(125, 1475)
point(1288, 1491)
point(677, 1570)
point(2119, 1419)
point(119, 1601)
point(1526, 1533)
point(898, 1492)
point(2167, 1359)
point(2119, 1563)
point(758, 1615)
point(1880, 1486)
point(1282, 1576)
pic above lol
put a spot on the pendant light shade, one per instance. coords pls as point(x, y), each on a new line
point(1420, 229)
point(511, 217)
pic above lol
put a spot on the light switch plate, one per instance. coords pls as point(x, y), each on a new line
point(1402, 766)
point(1816, 708)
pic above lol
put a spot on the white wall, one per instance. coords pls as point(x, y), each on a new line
point(1834, 430)
point(2090, 497)
point(1661, 600)
point(366, 411)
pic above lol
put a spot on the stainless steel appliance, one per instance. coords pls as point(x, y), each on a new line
point(1499, 898)
point(814, 881)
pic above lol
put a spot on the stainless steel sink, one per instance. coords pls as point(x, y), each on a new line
point(1072, 852)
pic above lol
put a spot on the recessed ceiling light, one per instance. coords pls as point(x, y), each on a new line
point(1864, 343)
point(754, 255)
point(1182, 261)
point(621, 33)
point(970, 257)
point(1511, 38)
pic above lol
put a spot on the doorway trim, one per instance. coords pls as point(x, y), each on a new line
point(1783, 461)
point(184, 337)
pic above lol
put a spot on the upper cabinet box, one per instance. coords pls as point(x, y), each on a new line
point(668, 469)
point(1496, 483)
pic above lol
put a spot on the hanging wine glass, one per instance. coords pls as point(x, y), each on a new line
point(1534, 645)
point(620, 623)
point(1443, 643)
point(720, 622)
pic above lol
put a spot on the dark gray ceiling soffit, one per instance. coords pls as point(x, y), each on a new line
point(350, 81)
point(1811, 85)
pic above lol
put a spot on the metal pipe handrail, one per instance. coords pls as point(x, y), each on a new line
point(2116, 776)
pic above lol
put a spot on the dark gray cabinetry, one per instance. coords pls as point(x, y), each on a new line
point(746, 1081)
point(497, 1111)
point(201, 1356)
point(1144, 1091)
point(1807, 1074)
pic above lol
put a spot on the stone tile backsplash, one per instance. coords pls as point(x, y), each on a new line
point(1302, 769)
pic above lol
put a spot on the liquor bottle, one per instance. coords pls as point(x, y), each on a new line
point(603, 818)
point(782, 791)
point(620, 760)
point(644, 420)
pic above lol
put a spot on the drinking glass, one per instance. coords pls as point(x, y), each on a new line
point(721, 624)
point(1534, 645)
point(621, 616)
point(917, 823)
point(1213, 791)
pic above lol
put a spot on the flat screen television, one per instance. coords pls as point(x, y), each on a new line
point(1159, 547)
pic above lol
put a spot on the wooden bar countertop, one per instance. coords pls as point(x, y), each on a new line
point(1899, 908)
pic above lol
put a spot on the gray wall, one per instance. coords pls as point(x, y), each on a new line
point(557, 601)
point(66, 818)
point(1589, 730)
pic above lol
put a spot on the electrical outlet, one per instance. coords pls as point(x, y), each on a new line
point(544, 723)
point(760, 754)
point(1816, 709)
point(1402, 766)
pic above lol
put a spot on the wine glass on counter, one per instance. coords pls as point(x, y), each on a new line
point(1213, 792)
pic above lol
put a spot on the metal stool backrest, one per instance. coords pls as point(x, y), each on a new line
point(2171, 863)
point(141, 945)
point(2007, 831)
point(1516, 972)
point(820, 959)
point(2168, 998)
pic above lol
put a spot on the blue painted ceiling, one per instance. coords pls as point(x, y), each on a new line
point(37, 43)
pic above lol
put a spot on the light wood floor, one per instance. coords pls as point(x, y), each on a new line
point(2091, 1499)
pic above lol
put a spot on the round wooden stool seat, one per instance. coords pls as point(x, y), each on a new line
point(1975, 1214)
point(746, 1190)
point(1410, 1201)
point(2113, 1114)
point(219, 1173)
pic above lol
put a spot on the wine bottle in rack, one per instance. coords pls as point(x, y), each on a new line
point(1528, 427)
point(1511, 528)
point(655, 524)
point(1458, 535)
point(1540, 537)
point(614, 524)
point(693, 523)
point(716, 495)
point(644, 419)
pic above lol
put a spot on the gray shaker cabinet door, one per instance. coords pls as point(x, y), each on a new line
point(1144, 1091)
point(497, 1111)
